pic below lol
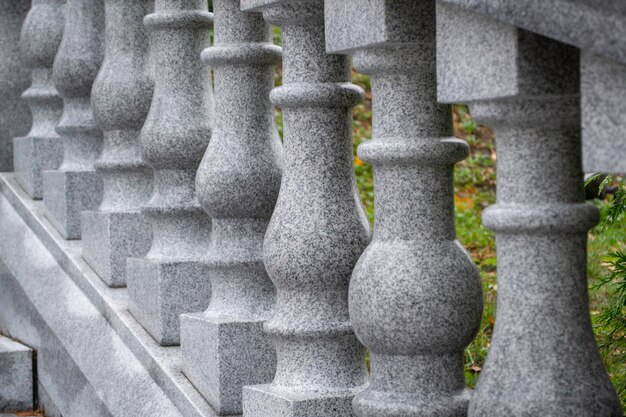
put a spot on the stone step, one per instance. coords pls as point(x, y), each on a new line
point(16, 376)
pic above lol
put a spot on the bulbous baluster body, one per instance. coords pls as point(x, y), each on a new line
point(41, 148)
point(237, 184)
point(317, 232)
point(415, 295)
point(15, 116)
point(75, 186)
point(169, 279)
point(121, 99)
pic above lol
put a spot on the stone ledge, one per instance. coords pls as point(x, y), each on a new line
point(37, 251)
point(568, 21)
point(16, 375)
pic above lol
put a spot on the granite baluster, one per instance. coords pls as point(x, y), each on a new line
point(170, 279)
point(76, 186)
point(41, 148)
point(224, 347)
point(528, 88)
point(121, 97)
point(415, 294)
point(318, 229)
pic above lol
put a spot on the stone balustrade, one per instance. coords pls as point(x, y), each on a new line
point(185, 262)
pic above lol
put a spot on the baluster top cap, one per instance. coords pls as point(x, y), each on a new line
point(506, 61)
point(599, 25)
point(355, 24)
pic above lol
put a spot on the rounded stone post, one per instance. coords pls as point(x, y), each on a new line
point(169, 280)
point(543, 359)
point(121, 97)
point(75, 186)
point(224, 348)
point(41, 148)
point(415, 295)
point(15, 117)
point(317, 231)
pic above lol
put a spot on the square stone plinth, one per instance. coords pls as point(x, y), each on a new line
point(159, 291)
point(220, 356)
point(16, 376)
point(66, 194)
point(109, 238)
point(33, 155)
point(271, 401)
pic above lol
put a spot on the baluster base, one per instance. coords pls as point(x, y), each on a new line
point(109, 238)
point(68, 193)
point(15, 120)
point(160, 291)
point(377, 403)
point(220, 355)
point(270, 401)
point(31, 156)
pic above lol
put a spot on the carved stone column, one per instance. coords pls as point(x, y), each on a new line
point(41, 148)
point(318, 229)
point(121, 99)
point(75, 186)
point(415, 295)
point(15, 117)
point(224, 348)
point(170, 279)
point(543, 359)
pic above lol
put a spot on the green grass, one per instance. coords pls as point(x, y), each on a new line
point(605, 238)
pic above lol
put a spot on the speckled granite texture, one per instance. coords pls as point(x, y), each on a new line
point(75, 186)
point(603, 88)
point(54, 301)
point(318, 229)
point(16, 376)
point(541, 231)
point(86, 364)
point(224, 348)
point(121, 98)
point(415, 294)
point(19, 318)
point(15, 116)
point(170, 279)
point(598, 25)
point(41, 148)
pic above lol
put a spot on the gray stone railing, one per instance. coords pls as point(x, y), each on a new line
point(161, 169)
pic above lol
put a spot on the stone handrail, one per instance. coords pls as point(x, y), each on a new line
point(248, 263)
